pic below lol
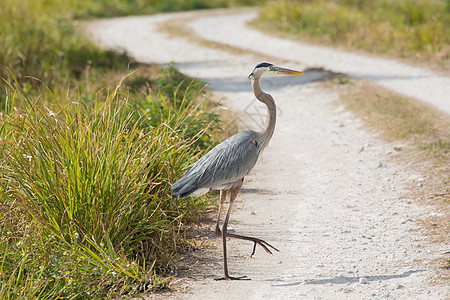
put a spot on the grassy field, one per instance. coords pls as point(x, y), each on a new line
point(417, 30)
point(90, 143)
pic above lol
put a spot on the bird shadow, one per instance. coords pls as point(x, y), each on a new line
point(350, 279)
point(257, 191)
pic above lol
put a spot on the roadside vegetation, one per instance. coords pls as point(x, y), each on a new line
point(90, 143)
point(105, 8)
point(86, 206)
point(413, 29)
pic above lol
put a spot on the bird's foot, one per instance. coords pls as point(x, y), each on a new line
point(232, 278)
point(265, 245)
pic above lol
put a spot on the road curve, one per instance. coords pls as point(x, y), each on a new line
point(325, 192)
point(411, 81)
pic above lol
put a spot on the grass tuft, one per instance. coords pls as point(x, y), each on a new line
point(92, 189)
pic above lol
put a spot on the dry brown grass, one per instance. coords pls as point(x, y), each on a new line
point(397, 117)
point(413, 30)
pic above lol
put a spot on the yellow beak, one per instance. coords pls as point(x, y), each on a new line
point(283, 71)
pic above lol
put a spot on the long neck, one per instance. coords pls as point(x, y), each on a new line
point(269, 125)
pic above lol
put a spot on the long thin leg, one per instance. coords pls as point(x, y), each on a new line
point(225, 234)
point(223, 195)
point(233, 195)
point(218, 232)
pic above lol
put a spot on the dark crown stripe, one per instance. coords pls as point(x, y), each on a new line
point(263, 65)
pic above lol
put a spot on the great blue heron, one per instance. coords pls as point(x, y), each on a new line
point(225, 166)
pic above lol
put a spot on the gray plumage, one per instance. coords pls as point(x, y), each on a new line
point(223, 166)
point(229, 162)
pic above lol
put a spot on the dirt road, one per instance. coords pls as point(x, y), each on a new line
point(325, 192)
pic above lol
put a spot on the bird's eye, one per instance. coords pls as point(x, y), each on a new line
point(271, 68)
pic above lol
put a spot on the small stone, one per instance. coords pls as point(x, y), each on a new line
point(363, 280)
point(320, 266)
point(436, 213)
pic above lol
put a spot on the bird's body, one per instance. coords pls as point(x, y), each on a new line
point(225, 166)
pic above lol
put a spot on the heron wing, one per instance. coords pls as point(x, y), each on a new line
point(226, 163)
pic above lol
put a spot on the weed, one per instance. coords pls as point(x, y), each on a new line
point(95, 185)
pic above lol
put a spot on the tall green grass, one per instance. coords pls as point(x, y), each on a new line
point(86, 209)
point(90, 189)
point(176, 92)
point(416, 29)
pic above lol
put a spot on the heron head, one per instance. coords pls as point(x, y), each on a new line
point(268, 69)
